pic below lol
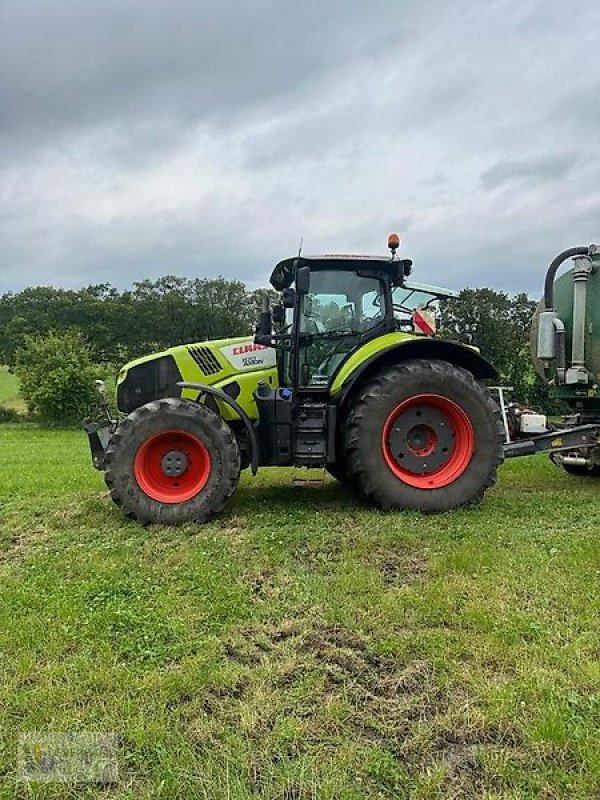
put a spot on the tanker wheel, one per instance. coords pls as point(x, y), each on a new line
point(582, 472)
point(172, 461)
point(424, 435)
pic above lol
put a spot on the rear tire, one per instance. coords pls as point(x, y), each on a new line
point(424, 435)
point(339, 469)
point(172, 461)
point(339, 472)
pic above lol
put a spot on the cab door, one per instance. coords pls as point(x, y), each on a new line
point(341, 310)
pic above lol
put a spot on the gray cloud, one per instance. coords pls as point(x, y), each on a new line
point(68, 65)
point(205, 138)
point(537, 169)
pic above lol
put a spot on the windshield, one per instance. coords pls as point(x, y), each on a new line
point(411, 299)
point(408, 298)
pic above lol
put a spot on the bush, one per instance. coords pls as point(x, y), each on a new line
point(57, 377)
point(8, 414)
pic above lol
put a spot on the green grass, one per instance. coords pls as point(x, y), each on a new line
point(9, 390)
point(302, 645)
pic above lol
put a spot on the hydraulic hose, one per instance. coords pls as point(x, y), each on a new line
point(553, 269)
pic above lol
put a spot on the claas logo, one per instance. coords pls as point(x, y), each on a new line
point(242, 349)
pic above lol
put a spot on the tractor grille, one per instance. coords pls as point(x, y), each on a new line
point(206, 360)
point(148, 381)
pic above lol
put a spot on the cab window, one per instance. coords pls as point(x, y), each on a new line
point(339, 310)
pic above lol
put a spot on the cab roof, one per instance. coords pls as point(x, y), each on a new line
point(283, 274)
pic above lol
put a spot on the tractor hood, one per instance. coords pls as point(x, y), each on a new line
point(213, 362)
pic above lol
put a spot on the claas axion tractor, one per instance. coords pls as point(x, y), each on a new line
point(345, 373)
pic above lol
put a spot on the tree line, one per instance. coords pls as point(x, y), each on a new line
point(499, 324)
point(119, 326)
point(109, 327)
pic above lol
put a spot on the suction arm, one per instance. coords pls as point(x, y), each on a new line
point(553, 269)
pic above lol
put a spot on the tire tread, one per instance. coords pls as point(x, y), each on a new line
point(187, 410)
point(379, 388)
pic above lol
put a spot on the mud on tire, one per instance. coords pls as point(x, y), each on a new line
point(215, 443)
point(368, 458)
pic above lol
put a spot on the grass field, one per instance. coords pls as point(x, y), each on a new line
point(9, 390)
point(303, 646)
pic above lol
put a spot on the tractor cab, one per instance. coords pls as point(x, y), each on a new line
point(332, 305)
point(329, 305)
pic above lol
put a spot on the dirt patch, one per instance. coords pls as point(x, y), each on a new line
point(345, 656)
point(213, 697)
point(400, 568)
point(298, 669)
point(267, 585)
point(462, 767)
point(466, 751)
point(255, 644)
point(320, 558)
point(233, 528)
point(19, 544)
point(385, 696)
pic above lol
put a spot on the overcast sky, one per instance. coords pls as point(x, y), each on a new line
point(140, 137)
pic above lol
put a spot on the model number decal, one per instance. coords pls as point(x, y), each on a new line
point(251, 361)
point(248, 355)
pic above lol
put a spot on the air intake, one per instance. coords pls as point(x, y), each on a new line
point(206, 360)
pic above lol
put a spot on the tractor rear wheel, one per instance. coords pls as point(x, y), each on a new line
point(424, 435)
point(339, 472)
point(339, 469)
point(172, 461)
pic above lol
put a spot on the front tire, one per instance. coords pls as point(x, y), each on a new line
point(172, 461)
point(424, 435)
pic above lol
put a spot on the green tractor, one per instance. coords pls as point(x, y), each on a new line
point(345, 373)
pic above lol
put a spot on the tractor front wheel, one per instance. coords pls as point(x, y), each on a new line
point(172, 461)
point(423, 435)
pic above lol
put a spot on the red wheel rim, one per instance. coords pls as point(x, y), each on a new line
point(428, 441)
point(172, 466)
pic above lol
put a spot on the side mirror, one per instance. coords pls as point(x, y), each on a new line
point(264, 329)
point(265, 324)
point(288, 298)
point(303, 280)
point(278, 313)
point(402, 269)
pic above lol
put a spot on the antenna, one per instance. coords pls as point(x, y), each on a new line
point(300, 246)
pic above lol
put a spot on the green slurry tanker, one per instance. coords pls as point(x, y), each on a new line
point(346, 372)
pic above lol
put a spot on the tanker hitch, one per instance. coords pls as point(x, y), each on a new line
point(560, 441)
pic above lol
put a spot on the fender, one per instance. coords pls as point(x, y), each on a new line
point(403, 347)
point(225, 398)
